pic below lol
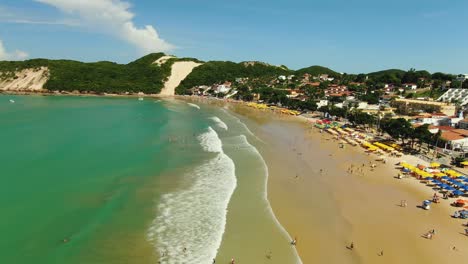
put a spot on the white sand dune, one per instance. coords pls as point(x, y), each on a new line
point(163, 60)
point(27, 79)
point(180, 70)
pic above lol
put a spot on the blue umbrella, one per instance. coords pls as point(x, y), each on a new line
point(445, 178)
point(406, 170)
point(458, 192)
point(443, 186)
point(464, 187)
point(458, 184)
point(450, 188)
point(452, 180)
point(435, 181)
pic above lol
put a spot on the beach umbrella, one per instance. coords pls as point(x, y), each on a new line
point(450, 188)
point(435, 181)
point(459, 184)
point(445, 178)
point(444, 186)
point(458, 192)
point(435, 164)
point(439, 174)
point(465, 187)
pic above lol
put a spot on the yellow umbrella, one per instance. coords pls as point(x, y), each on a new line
point(435, 165)
point(440, 174)
point(464, 163)
point(453, 173)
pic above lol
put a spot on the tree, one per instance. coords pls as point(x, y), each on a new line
point(455, 84)
point(398, 128)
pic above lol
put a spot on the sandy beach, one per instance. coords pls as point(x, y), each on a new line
point(330, 209)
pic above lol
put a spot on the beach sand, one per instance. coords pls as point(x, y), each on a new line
point(328, 210)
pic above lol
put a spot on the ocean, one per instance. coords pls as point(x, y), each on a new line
point(118, 180)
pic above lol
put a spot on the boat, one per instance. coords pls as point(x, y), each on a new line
point(140, 98)
point(12, 101)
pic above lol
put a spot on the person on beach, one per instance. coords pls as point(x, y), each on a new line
point(232, 261)
point(351, 246)
point(403, 203)
point(294, 241)
point(214, 261)
point(381, 253)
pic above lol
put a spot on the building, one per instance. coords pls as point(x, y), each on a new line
point(462, 77)
point(337, 90)
point(460, 95)
point(463, 124)
point(223, 88)
point(456, 139)
point(406, 106)
point(411, 86)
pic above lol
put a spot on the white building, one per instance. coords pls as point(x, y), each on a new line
point(411, 86)
point(462, 77)
point(460, 95)
point(222, 88)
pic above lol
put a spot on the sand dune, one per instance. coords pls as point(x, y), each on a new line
point(27, 79)
point(180, 70)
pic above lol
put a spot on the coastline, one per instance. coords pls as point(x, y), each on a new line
point(367, 204)
point(327, 211)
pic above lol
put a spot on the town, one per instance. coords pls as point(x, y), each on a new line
point(417, 100)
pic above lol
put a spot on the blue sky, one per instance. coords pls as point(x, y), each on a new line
point(348, 36)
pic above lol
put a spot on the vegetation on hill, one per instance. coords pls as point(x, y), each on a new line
point(219, 71)
point(317, 70)
point(101, 77)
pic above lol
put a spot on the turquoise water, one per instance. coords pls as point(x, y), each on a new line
point(118, 180)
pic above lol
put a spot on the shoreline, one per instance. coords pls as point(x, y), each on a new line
point(281, 187)
point(364, 206)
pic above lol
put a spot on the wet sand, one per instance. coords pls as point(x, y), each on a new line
point(328, 210)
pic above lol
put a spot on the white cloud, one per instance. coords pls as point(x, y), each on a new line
point(112, 17)
point(15, 55)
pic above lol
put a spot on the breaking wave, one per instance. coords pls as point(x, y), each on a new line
point(195, 218)
point(194, 105)
point(219, 122)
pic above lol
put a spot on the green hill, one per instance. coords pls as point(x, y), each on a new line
point(219, 71)
point(139, 75)
point(317, 70)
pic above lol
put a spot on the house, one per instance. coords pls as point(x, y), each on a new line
point(222, 88)
point(282, 78)
point(456, 139)
point(462, 77)
point(463, 124)
point(336, 89)
point(325, 77)
point(322, 103)
point(411, 86)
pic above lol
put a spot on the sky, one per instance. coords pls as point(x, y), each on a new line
point(352, 36)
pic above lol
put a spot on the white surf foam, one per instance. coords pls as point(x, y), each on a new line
point(246, 145)
point(242, 124)
point(194, 105)
point(195, 218)
point(219, 122)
